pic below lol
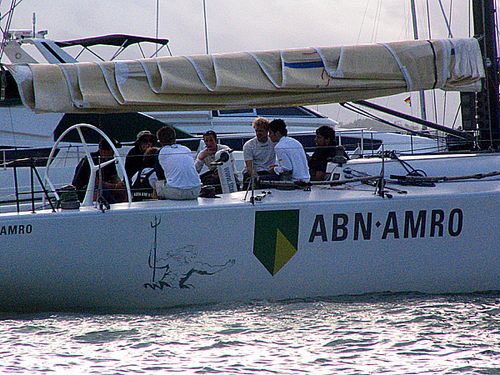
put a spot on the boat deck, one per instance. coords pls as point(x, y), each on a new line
point(359, 193)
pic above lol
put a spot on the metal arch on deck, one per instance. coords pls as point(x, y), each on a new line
point(88, 200)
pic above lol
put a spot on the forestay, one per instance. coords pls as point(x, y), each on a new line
point(252, 79)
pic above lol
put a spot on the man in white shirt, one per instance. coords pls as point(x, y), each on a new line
point(181, 178)
point(290, 155)
point(258, 152)
point(206, 157)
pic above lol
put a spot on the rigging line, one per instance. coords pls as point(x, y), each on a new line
point(469, 16)
point(362, 21)
point(373, 25)
point(7, 13)
point(420, 20)
point(407, 27)
point(157, 22)
point(371, 116)
point(405, 31)
point(451, 12)
point(450, 34)
point(378, 20)
point(375, 20)
point(5, 32)
point(429, 30)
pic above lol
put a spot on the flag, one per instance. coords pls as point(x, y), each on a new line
point(408, 101)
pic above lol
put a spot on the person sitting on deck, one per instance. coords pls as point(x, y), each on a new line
point(178, 178)
point(258, 152)
point(206, 157)
point(290, 155)
point(135, 157)
point(113, 186)
point(326, 150)
point(143, 182)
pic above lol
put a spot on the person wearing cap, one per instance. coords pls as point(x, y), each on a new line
point(143, 183)
point(207, 156)
point(134, 160)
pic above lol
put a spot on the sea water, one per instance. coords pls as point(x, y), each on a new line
point(371, 334)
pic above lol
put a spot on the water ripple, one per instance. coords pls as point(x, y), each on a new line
point(382, 333)
point(104, 336)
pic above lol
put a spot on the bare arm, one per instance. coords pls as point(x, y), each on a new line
point(249, 167)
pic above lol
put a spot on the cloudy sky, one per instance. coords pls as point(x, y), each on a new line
point(235, 25)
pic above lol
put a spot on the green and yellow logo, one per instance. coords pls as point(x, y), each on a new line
point(276, 238)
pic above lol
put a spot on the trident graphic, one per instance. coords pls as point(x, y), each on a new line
point(152, 265)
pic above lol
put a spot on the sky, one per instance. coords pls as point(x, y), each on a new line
point(237, 25)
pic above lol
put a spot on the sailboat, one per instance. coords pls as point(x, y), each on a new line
point(30, 135)
point(343, 236)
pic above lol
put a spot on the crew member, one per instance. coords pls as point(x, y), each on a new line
point(135, 157)
point(143, 182)
point(326, 149)
point(290, 155)
point(176, 161)
point(258, 152)
point(206, 157)
point(113, 187)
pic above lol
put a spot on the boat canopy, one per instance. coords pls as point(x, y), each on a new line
point(252, 79)
point(117, 40)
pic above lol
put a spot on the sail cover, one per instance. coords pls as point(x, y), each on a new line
point(252, 79)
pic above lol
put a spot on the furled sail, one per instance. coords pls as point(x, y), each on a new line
point(252, 79)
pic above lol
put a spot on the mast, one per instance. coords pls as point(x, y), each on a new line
point(423, 113)
point(487, 117)
point(206, 27)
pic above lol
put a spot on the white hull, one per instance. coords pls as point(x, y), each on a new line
point(89, 259)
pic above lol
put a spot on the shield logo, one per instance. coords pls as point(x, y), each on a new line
point(276, 237)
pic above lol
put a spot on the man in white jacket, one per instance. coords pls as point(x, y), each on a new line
point(181, 181)
point(290, 155)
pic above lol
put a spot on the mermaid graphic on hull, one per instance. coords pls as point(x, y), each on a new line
point(177, 266)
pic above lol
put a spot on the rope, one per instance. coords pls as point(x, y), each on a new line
point(9, 14)
point(371, 116)
point(448, 25)
point(476, 176)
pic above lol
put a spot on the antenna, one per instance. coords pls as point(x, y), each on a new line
point(34, 24)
